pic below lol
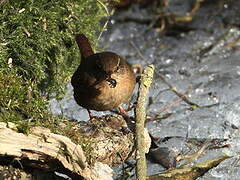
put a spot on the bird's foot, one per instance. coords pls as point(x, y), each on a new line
point(91, 116)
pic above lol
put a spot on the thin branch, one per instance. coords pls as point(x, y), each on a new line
point(173, 89)
point(108, 15)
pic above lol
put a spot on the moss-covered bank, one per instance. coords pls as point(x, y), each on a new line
point(38, 54)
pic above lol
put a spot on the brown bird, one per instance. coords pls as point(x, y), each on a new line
point(103, 81)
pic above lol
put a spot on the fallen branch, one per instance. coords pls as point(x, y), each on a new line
point(140, 114)
point(47, 151)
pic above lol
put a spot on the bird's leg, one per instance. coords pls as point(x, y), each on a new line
point(122, 111)
point(91, 116)
point(131, 106)
point(129, 120)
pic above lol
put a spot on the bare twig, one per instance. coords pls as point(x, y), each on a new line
point(108, 16)
point(138, 50)
point(194, 156)
point(196, 6)
point(173, 89)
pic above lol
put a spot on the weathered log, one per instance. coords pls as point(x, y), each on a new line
point(43, 150)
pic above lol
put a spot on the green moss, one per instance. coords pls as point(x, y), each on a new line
point(39, 37)
point(38, 55)
point(21, 102)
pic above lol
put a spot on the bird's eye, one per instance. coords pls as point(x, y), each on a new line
point(112, 82)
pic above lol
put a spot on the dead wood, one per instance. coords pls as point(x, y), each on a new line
point(49, 152)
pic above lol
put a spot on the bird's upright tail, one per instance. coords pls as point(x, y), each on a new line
point(84, 45)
